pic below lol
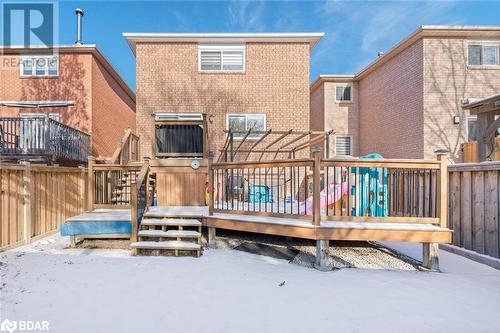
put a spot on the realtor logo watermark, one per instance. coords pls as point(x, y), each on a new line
point(12, 326)
point(29, 25)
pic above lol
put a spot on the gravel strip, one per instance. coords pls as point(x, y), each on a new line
point(343, 254)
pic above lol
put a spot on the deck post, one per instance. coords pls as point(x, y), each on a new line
point(430, 256)
point(211, 187)
point(442, 183)
point(133, 210)
point(46, 136)
point(90, 183)
point(28, 189)
point(211, 237)
point(316, 186)
point(322, 255)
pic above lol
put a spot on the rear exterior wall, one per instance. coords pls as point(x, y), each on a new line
point(447, 81)
point(276, 82)
point(391, 104)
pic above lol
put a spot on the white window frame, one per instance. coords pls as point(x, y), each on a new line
point(52, 115)
point(237, 137)
point(221, 48)
point(344, 85)
point(34, 58)
point(483, 43)
point(344, 136)
point(467, 126)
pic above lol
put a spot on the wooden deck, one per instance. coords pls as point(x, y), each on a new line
point(304, 228)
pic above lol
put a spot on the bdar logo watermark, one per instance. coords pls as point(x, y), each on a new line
point(12, 326)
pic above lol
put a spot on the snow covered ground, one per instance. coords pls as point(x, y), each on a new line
point(90, 290)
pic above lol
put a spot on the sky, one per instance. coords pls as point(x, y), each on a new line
point(355, 31)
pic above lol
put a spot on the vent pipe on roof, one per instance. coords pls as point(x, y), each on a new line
point(79, 15)
point(380, 54)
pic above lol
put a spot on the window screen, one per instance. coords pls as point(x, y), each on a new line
point(179, 139)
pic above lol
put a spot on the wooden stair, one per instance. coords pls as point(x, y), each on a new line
point(159, 236)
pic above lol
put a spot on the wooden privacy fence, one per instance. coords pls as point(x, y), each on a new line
point(35, 200)
point(474, 197)
point(356, 190)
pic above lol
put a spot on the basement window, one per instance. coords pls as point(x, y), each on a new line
point(343, 145)
point(41, 66)
point(221, 58)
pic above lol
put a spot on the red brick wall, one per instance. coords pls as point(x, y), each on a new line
point(73, 83)
point(112, 112)
point(391, 107)
point(276, 82)
point(102, 106)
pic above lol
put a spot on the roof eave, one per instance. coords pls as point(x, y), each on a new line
point(310, 37)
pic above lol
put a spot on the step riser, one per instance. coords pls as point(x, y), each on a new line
point(181, 237)
point(166, 253)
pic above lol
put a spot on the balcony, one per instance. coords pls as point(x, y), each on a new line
point(42, 139)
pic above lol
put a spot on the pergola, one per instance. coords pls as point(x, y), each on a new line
point(278, 144)
point(486, 111)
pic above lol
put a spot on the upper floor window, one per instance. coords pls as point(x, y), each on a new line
point(343, 93)
point(241, 122)
point(39, 65)
point(343, 145)
point(483, 54)
point(221, 58)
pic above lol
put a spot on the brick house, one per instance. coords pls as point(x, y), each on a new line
point(237, 80)
point(78, 87)
point(407, 103)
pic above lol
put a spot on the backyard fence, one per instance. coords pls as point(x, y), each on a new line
point(35, 200)
point(474, 195)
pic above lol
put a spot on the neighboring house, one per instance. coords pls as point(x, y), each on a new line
point(78, 87)
point(407, 103)
point(235, 80)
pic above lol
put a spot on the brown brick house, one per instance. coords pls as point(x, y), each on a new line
point(237, 80)
point(407, 103)
point(78, 87)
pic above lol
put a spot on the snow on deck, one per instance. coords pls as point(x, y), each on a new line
point(91, 290)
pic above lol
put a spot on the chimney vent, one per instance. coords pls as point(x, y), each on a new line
point(79, 15)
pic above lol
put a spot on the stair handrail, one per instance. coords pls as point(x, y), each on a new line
point(128, 140)
point(137, 208)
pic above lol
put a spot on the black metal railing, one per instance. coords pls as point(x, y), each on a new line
point(42, 136)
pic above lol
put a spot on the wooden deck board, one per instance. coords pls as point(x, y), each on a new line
point(102, 215)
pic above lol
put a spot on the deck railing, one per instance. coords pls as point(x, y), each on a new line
point(127, 150)
point(111, 184)
point(351, 190)
point(42, 136)
point(140, 199)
